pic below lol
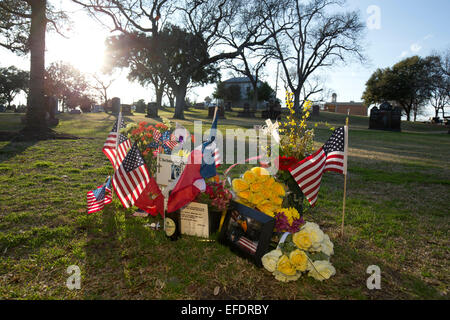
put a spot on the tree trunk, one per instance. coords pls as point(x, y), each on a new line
point(36, 107)
point(159, 95)
point(255, 97)
point(172, 102)
point(180, 94)
point(297, 109)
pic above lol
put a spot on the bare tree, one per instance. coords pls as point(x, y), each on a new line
point(211, 22)
point(314, 36)
point(440, 94)
point(101, 85)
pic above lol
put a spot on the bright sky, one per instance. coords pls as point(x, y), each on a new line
point(404, 28)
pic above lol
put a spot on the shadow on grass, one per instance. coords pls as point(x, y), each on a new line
point(14, 148)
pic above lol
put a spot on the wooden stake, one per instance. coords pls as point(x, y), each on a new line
point(119, 120)
point(345, 176)
point(215, 113)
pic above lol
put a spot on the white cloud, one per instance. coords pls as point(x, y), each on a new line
point(428, 36)
point(415, 47)
point(404, 54)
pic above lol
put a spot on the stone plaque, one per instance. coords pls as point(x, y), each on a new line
point(194, 220)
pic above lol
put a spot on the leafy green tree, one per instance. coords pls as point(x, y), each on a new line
point(227, 92)
point(12, 82)
point(264, 92)
point(408, 83)
point(66, 83)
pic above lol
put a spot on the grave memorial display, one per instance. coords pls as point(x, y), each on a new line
point(254, 212)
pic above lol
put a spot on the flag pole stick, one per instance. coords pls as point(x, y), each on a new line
point(119, 120)
point(345, 177)
point(215, 113)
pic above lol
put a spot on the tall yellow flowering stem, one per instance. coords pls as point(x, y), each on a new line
point(345, 183)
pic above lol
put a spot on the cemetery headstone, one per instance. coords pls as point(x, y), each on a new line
point(246, 113)
point(152, 110)
point(273, 112)
point(115, 102)
point(315, 110)
point(126, 110)
point(385, 117)
point(220, 112)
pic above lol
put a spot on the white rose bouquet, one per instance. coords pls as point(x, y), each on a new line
point(306, 251)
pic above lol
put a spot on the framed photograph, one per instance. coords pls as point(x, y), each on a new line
point(247, 232)
point(168, 170)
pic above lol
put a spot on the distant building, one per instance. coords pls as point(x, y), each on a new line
point(355, 108)
point(246, 87)
point(98, 108)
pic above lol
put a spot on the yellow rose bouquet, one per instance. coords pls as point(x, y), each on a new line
point(307, 251)
point(257, 189)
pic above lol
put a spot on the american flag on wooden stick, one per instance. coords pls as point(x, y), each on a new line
point(332, 156)
point(96, 199)
point(116, 145)
point(217, 159)
point(131, 178)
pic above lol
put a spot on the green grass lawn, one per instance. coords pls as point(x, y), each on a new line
point(397, 217)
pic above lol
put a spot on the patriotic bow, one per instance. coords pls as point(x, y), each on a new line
point(166, 141)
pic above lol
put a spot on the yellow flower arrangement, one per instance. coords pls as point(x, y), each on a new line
point(279, 189)
point(256, 198)
point(299, 260)
point(258, 189)
point(261, 173)
point(244, 194)
point(249, 177)
point(297, 139)
point(296, 255)
point(302, 240)
point(239, 185)
point(284, 266)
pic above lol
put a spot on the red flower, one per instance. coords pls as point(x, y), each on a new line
point(286, 162)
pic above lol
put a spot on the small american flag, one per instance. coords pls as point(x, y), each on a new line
point(217, 158)
point(131, 178)
point(119, 141)
point(247, 245)
point(332, 156)
point(96, 199)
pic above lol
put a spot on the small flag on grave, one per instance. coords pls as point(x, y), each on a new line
point(116, 145)
point(131, 178)
point(332, 156)
point(96, 199)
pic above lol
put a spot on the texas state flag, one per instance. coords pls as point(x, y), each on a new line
point(200, 166)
